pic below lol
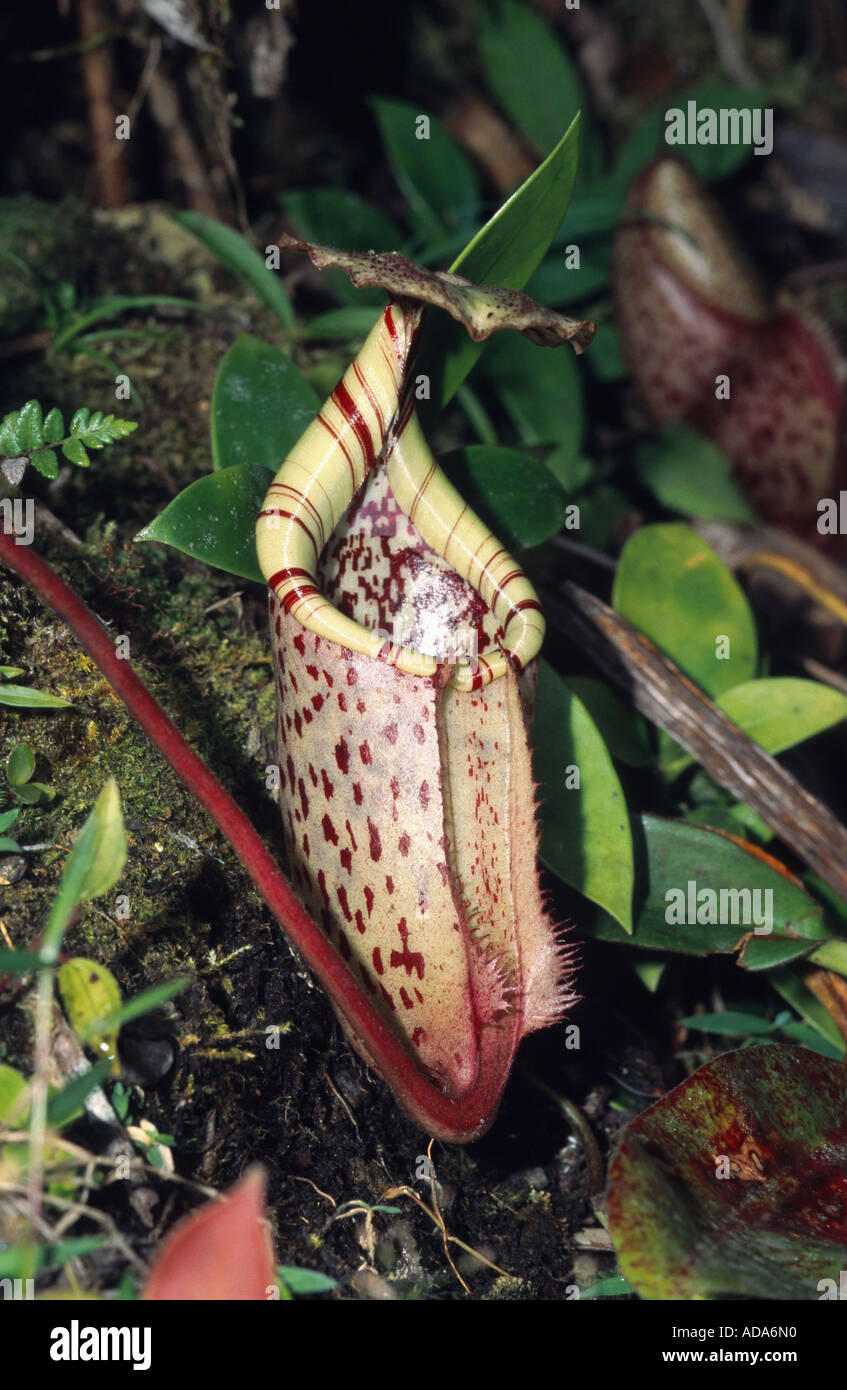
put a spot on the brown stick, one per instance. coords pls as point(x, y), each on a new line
point(108, 154)
point(668, 698)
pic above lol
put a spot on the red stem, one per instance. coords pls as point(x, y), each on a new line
point(456, 1121)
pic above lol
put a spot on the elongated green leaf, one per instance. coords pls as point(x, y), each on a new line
point(305, 1281)
point(793, 989)
point(541, 391)
point(214, 520)
point(434, 174)
point(732, 1185)
point(515, 495)
point(68, 1102)
point(336, 217)
point(94, 864)
point(505, 251)
point(18, 962)
point(672, 586)
point(699, 892)
point(625, 732)
point(353, 321)
point(556, 284)
point(687, 473)
point(235, 252)
point(586, 836)
point(529, 71)
point(261, 404)
point(20, 696)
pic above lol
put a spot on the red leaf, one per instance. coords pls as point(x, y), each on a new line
point(221, 1252)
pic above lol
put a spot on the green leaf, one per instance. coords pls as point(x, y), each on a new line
point(305, 1281)
point(79, 420)
point(235, 252)
point(336, 217)
point(505, 251)
point(730, 1024)
point(34, 793)
point(434, 175)
point(261, 405)
point(781, 711)
point(792, 988)
point(625, 732)
point(529, 72)
point(8, 845)
point(670, 856)
point(20, 765)
point(515, 495)
point(45, 462)
point(91, 997)
point(777, 712)
point(541, 390)
point(104, 429)
point(214, 520)
point(14, 1104)
point(68, 1103)
point(75, 452)
point(687, 473)
point(9, 672)
point(8, 818)
point(586, 836)
point(54, 426)
point(731, 1186)
point(613, 1287)
point(352, 322)
point(671, 585)
point(20, 696)
point(30, 429)
point(93, 866)
point(19, 962)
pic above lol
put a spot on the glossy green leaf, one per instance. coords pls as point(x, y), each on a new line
point(235, 252)
point(54, 426)
point(540, 389)
point(261, 404)
point(21, 697)
point(682, 872)
point(689, 474)
point(91, 996)
point(20, 765)
point(586, 837)
point(93, 866)
point(45, 462)
point(19, 962)
point(433, 173)
point(792, 988)
point(305, 1281)
point(8, 818)
point(671, 585)
point(732, 1185)
point(505, 251)
point(529, 71)
point(625, 732)
point(34, 793)
point(75, 452)
point(214, 520)
point(336, 217)
point(515, 495)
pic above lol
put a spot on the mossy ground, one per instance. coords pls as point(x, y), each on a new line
point(308, 1109)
